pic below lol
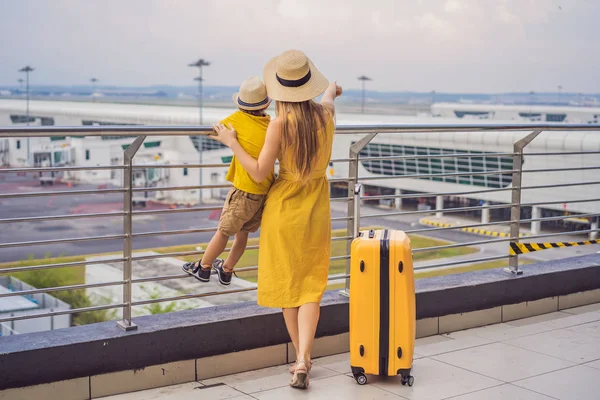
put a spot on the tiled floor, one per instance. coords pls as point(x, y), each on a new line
point(553, 356)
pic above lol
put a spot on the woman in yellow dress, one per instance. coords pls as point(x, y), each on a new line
point(295, 238)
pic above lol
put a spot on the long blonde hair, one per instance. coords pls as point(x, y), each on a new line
point(302, 123)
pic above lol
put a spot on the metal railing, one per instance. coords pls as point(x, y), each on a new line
point(349, 185)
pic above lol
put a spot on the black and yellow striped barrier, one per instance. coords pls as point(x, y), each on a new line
point(522, 248)
point(476, 231)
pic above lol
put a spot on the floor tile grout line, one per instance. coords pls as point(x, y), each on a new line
point(545, 373)
point(374, 384)
point(454, 351)
point(468, 370)
point(475, 391)
point(548, 355)
point(534, 391)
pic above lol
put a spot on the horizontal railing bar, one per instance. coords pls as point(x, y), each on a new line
point(61, 193)
point(482, 173)
point(190, 296)
point(335, 180)
point(116, 130)
point(523, 221)
point(341, 199)
point(63, 312)
point(61, 288)
point(449, 246)
point(558, 202)
point(173, 232)
point(445, 210)
point(335, 219)
point(61, 217)
point(425, 156)
point(561, 185)
point(454, 245)
point(338, 278)
point(340, 238)
point(562, 169)
point(57, 241)
point(61, 265)
point(339, 160)
point(475, 261)
point(457, 227)
point(418, 195)
point(59, 169)
point(171, 166)
point(560, 217)
point(544, 235)
point(174, 188)
point(182, 254)
point(161, 278)
point(567, 153)
point(176, 210)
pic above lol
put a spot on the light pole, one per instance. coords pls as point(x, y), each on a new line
point(27, 69)
point(531, 94)
point(559, 92)
point(20, 80)
point(363, 79)
point(93, 80)
point(432, 96)
point(200, 63)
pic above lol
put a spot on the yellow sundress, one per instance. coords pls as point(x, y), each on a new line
point(295, 238)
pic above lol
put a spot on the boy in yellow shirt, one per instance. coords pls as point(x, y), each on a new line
point(244, 204)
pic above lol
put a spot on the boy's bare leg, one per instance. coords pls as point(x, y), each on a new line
point(215, 247)
point(237, 250)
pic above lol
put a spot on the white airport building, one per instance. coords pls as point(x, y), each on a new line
point(96, 151)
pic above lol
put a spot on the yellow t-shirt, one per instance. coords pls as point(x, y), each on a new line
point(251, 132)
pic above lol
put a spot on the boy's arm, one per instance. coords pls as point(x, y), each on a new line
point(263, 167)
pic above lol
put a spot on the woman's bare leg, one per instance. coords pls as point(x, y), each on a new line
point(308, 318)
point(290, 315)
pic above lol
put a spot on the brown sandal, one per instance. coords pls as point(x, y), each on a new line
point(293, 367)
point(300, 380)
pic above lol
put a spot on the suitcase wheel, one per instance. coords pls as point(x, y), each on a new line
point(408, 380)
point(361, 379)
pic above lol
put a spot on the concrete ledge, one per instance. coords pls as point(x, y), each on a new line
point(444, 303)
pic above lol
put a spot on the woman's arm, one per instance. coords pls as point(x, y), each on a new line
point(261, 168)
point(332, 91)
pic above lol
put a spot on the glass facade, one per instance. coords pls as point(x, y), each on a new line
point(481, 162)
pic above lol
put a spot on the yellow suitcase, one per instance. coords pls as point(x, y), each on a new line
point(382, 306)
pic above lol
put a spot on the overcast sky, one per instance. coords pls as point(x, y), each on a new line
point(446, 45)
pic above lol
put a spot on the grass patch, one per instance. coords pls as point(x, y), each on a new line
point(72, 275)
point(62, 276)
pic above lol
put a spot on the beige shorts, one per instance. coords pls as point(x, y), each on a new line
point(242, 212)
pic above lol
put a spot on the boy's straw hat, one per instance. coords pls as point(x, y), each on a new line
point(252, 95)
point(293, 77)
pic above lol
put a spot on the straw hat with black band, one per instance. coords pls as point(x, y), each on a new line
point(292, 77)
point(252, 95)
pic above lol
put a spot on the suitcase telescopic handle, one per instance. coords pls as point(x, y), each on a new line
point(357, 188)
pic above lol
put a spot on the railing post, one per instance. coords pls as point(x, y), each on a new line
point(129, 153)
point(353, 204)
point(515, 209)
